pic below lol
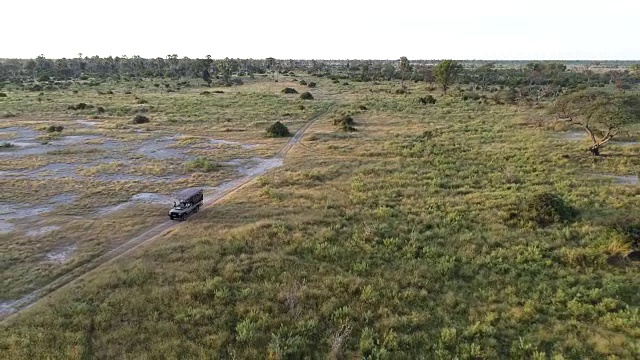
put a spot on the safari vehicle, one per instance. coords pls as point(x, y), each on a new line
point(189, 201)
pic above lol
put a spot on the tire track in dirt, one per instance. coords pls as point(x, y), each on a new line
point(11, 310)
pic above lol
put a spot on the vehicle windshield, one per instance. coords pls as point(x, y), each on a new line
point(180, 205)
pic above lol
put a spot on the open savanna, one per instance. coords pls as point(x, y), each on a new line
point(405, 239)
point(73, 187)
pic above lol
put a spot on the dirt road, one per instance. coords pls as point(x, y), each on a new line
point(10, 311)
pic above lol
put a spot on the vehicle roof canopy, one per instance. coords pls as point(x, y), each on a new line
point(187, 193)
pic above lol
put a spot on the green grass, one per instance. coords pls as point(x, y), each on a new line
point(201, 164)
point(389, 242)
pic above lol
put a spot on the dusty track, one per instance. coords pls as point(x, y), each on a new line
point(148, 236)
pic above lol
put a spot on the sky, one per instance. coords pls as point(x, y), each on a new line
point(324, 29)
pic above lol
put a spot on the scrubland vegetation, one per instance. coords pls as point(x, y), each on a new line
point(408, 223)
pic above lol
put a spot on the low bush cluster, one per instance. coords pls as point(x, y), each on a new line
point(289, 90)
point(429, 99)
point(542, 210)
point(278, 129)
point(140, 119)
point(79, 106)
point(306, 96)
point(55, 128)
point(201, 164)
point(346, 123)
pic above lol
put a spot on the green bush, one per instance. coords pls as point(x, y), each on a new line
point(278, 129)
point(306, 96)
point(346, 123)
point(312, 84)
point(302, 82)
point(79, 106)
point(543, 209)
point(201, 164)
point(470, 95)
point(140, 119)
point(3, 95)
point(427, 100)
point(100, 109)
point(55, 128)
point(6, 145)
point(289, 90)
point(401, 91)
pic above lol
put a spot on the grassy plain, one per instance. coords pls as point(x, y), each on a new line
point(391, 242)
point(101, 160)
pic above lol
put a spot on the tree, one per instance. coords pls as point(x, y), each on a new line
point(271, 63)
point(486, 72)
point(446, 73)
point(601, 114)
point(227, 67)
point(404, 67)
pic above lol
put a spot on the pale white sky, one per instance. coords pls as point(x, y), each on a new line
point(323, 29)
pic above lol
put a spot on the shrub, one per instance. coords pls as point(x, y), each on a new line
point(346, 123)
point(289, 90)
point(506, 97)
point(205, 93)
point(362, 107)
point(401, 91)
point(301, 107)
point(470, 95)
point(302, 82)
point(55, 128)
point(6, 145)
point(44, 78)
point(3, 95)
point(278, 129)
point(127, 92)
point(306, 96)
point(544, 209)
point(84, 77)
point(312, 84)
point(200, 163)
point(100, 109)
point(218, 92)
point(80, 106)
point(141, 101)
point(429, 99)
point(140, 119)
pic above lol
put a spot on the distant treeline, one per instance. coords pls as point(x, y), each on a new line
point(480, 73)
